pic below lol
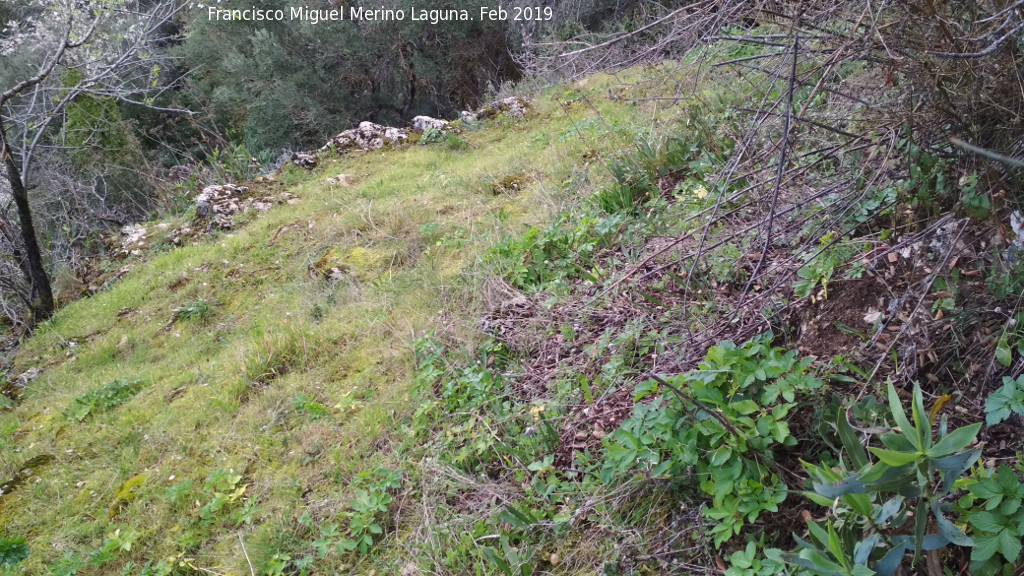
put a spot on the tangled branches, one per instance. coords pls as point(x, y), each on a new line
point(856, 120)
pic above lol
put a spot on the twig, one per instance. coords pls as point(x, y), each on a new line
point(986, 153)
point(244, 552)
point(784, 148)
point(625, 36)
point(697, 404)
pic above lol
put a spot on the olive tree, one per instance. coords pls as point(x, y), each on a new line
point(58, 53)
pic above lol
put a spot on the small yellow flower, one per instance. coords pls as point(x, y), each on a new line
point(700, 192)
point(536, 411)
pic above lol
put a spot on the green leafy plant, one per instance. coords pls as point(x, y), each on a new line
point(1008, 399)
point(68, 565)
point(820, 266)
point(277, 564)
point(508, 559)
point(370, 500)
point(310, 407)
point(976, 204)
point(198, 310)
point(224, 490)
point(929, 187)
point(1011, 339)
point(883, 509)
point(115, 543)
point(106, 397)
point(563, 251)
point(994, 508)
point(431, 136)
point(13, 549)
point(753, 561)
point(726, 429)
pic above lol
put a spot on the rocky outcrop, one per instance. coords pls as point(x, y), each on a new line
point(133, 240)
point(220, 203)
point(217, 204)
point(424, 123)
point(368, 136)
point(307, 160)
point(512, 106)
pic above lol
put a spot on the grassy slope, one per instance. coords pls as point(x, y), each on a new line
point(199, 410)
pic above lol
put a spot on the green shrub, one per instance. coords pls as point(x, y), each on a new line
point(564, 251)
point(896, 504)
point(993, 508)
point(1008, 399)
point(726, 427)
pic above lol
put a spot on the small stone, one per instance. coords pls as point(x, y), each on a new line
point(339, 180)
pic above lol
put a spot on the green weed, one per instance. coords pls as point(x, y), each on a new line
point(728, 427)
point(198, 311)
point(893, 505)
point(106, 397)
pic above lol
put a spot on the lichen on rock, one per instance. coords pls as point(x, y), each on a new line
point(512, 106)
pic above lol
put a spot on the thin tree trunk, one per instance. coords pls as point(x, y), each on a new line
point(32, 263)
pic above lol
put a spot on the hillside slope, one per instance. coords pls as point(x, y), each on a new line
point(234, 363)
point(648, 329)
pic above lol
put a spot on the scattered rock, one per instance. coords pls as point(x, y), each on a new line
point(133, 240)
point(181, 234)
point(339, 180)
point(368, 136)
point(307, 160)
point(220, 202)
point(26, 378)
point(948, 237)
point(512, 106)
point(424, 123)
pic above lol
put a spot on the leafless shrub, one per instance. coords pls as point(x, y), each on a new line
point(833, 81)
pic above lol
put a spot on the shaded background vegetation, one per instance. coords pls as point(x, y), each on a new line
point(233, 97)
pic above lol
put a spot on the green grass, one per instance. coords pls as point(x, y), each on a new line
point(252, 327)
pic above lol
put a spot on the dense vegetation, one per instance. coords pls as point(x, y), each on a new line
point(752, 307)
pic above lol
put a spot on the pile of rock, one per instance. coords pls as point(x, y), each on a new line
point(219, 204)
point(307, 160)
point(132, 241)
point(368, 136)
point(512, 106)
point(424, 123)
